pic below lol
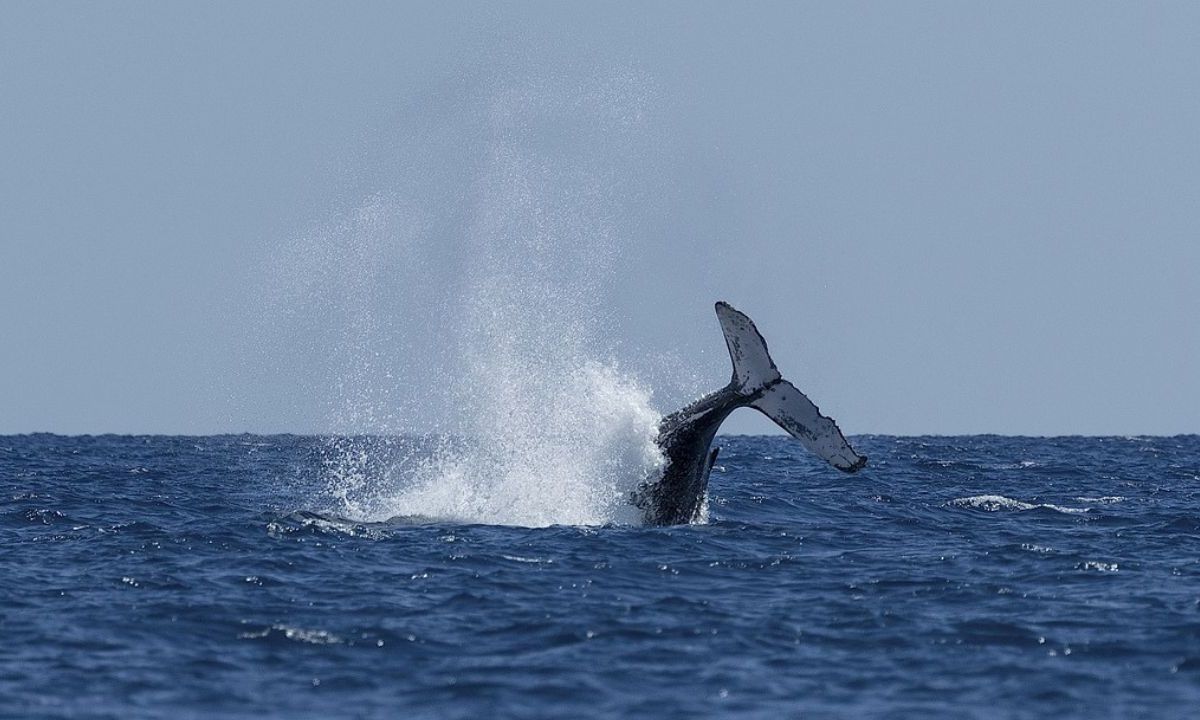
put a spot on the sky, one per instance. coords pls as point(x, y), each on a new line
point(945, 217)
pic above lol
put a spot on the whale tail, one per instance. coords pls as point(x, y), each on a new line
point(757, 379)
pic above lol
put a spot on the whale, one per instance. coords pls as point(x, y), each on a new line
point(676, 494)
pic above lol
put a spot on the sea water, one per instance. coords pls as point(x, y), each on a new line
point(462, 546)
point(255, 576)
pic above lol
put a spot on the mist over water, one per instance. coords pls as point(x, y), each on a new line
point(464, 300)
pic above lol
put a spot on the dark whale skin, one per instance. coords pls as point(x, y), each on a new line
point(685, 437)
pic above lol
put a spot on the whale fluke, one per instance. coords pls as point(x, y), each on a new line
point(755, 375)
point(686, 435)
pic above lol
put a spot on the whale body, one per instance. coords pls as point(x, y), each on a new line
point(685, 436)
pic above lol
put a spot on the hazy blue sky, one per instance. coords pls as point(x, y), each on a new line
point(945, 217)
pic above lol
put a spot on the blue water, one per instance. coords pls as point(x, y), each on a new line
point(956, 577)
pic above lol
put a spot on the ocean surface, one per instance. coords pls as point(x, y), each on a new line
point(963, 577)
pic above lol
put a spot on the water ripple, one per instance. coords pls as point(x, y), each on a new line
point(954, 577)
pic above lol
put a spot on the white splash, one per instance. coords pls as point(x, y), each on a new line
point(541, 450)
point(473, 377)
point(573, 459)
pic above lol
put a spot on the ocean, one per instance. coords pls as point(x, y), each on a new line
point(256, 576)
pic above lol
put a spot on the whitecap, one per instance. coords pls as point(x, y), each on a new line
point(996, 503)
point(304, 635)
point(1098, 566)
point(1035, 548)
point(534, 561)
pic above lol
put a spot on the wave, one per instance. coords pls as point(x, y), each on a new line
point(1000, 503)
